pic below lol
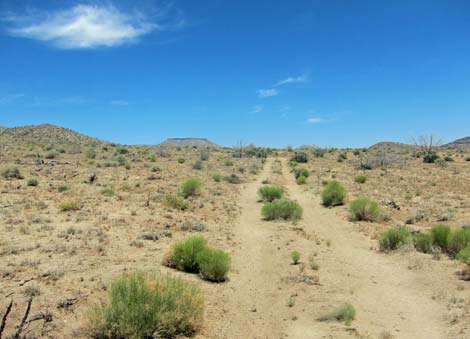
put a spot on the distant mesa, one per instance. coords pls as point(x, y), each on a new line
point(188, 142)
point(463, 143)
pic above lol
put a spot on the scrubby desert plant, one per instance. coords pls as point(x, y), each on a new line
point(90, 153)
point(440, 236)
point(214, 264)
point(282, 209)
point(190, 187)
point(33, 182)
point(11, 173)
point(232, 179)
point(301, 172)
point(295, 257)
point(364, 209)
point(360, 179)
point(147, 305)
point(176, 202)
point(217, 177)
point(458, 240)
point(423, 242)
point(301, 180)
point(181, 160)
point(198, 165)
point(67, 206)
point(300, 157)
point(345, 312)
point(393, 239)
point(183, 254)
point(334, 194)
point(270, 193)
point(62, 188)
point(108, 192)
point(464, 256)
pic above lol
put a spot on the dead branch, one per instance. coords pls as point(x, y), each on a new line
point(23, 322)
point(4, 318)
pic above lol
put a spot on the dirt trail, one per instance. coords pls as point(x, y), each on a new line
point(389, 298)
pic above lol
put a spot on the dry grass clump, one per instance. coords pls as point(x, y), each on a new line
point(190, 187)
point(364, 209)
point(282, 209)
point(394, 238)
point(11, 173)
point(334, 194)
point(345, 313)
point(68, 206)
point(148, 305)
point(270, 193)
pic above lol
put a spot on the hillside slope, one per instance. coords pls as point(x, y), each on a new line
point(459, 143)
point(188, 142)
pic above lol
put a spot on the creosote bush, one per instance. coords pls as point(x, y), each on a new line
point(282, 209)
point(184, 254)
point(364, 209)
point(334, 194)
point(270, 193)
point(148, 305)
point(190, 187)
point(295, 257)
point(393, 239)
point(213, 264)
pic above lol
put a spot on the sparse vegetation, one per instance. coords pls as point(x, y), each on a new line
point(300, 157)
point(364, 209)
point(11, 173)
point(190, 187)
point(270, 193)
point(214, 264)
point(440, 236)
point(69, 206)
point(33, 182)
point(360, 179)
point(394, 238)
point(295, 257)
point(345, 313)
point(176, 202)
point(458, 240)
point(423, 242)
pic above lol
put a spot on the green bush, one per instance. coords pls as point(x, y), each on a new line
point(270, 193)
point(214, 264)
point(364, 209)
point(183, 255)
point(217, 177)
point(198, 165)
point(69, 206)
point(464, 256)
point(300, 157)
point(176, 202)
point(11, 173)
point(295, 257)
point(301, 180)
point(458, 240)
point(232, 179)
point(448, 159)
point(90, 153)
point(282, 209)
point(423, 242)
point(228, 162)
point(334, 194)
point(393, 239)
point(152, 158)
point(360, 179)
point(440, 236)
point(62, 188)
point(144, 305)
point(430, 157)
point(32, 182)
point(190, 187)
point(345, 312)
point(467, 159)
point(181, 160)
point(108, 192)
point(301, 172)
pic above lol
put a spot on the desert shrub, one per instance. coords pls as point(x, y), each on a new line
point(282, 209)
point(467, 159)
point(108, 192)
point(360, 179)
point(295, 256)
point(423, 242)
point(440, 236)
point(217, 177)
point(50, 155)
point(393, 239)
point(122, 151)
point(301, 180)
point(228, 162)
point(214, 264)
point(198, 165)
point(183, 255)
point(90, 153)
point(301, 172)
point(190, 187)
point(300, 157)
point(334, 194)
point(364, 209)
point(341, 157)
point(270, 193)
point(11, 173)
point(204, 156)
point(148, 305)
point(176, 202)
point(232, 179)
point(345, 312)
point(69, 206)
point(430, 157)
point(458, 240)
point(448, 159)
point(121, 161)
point(319, 152)
point(152, 158)
point(313, 263)
point(62, 188)
point(464, 256)
point(33, 182)
point(181, 160)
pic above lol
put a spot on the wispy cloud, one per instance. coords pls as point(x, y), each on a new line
point(266, 93)
point(314, 120)
point(256, 109)
point(84, 26)
point(291, 80)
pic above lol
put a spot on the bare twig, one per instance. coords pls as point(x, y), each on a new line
point(4, 318)
point(23, 322)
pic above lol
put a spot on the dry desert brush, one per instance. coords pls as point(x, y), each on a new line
point(334, 194)
point(364, 209)
point(282, 209)
point(270, 193)
point(148, 305)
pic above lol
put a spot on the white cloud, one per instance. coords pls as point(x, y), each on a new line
point(291, 80)
point(265, 93)
point(314, 120)
point(256, 109)
point(84, 26)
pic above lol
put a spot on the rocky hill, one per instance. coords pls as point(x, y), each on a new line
point(188, 142)
point(43, 135)
point(393, 147)
point(459, 143)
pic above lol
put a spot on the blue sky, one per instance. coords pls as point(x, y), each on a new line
point(332, 73)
